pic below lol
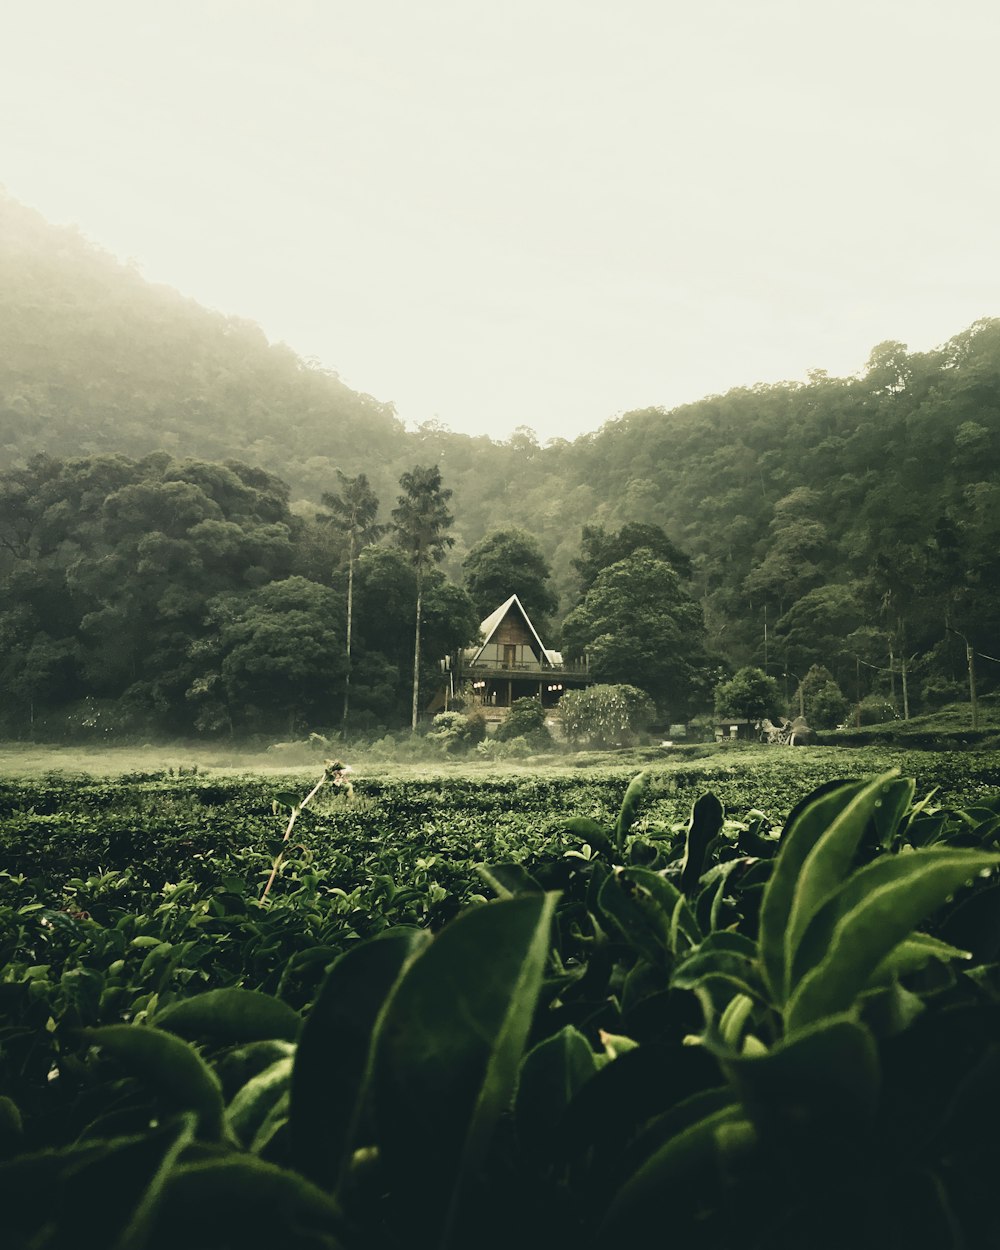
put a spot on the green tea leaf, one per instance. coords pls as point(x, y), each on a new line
point(882, 872)
point(96, 1194)
point(230, 1015)
point(891, 808)
point(650, 912)
point(876, 925)
point(829, 861)
point(706, 821)
point(239, 1199)
point(590, 831)
point(252, 1104)
point(551, 1076)
point(913, 954)
point(506, 880)
point(11, 1127)
point(173, 1068)
point(825, 1081)
point(629, 809)
point(333, 1062)
point(808, 821)
point(694, 1157)
point(448, 1051)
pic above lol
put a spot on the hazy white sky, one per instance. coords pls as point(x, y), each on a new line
point(541, 212)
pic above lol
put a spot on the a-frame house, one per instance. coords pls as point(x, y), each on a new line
point(509, 661)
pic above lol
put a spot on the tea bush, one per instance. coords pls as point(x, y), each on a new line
point(714, 1027)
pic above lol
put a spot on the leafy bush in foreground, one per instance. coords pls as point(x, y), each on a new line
point(731, 1033)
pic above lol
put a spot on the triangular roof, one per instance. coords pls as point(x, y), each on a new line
point(492, 623)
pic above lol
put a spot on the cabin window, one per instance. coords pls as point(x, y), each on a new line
point(509, 655)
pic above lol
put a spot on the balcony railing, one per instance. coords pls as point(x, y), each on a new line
point(577, 668)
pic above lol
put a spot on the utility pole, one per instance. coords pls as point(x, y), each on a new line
point(970, 656)
point(970, 659)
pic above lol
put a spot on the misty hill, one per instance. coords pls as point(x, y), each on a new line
point(96, 359)
point(865, 508)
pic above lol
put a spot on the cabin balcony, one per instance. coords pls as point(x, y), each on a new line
point(577, 669)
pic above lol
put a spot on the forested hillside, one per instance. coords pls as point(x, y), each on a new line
point(853, 522)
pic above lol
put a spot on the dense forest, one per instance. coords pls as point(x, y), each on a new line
point(172, 521)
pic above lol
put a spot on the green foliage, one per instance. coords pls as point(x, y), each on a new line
point(600, 549)
point(875, 709)
point(638, 623)
point(749, 694)
point(510, 562)
point(794, 504)
point(824, 702)
point(676, 1011)
point(526, 719)
point(605, 715)
point(419, 523)
point(450, 731)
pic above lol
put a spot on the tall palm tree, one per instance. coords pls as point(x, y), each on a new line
point(355, 509)
point(420, 521)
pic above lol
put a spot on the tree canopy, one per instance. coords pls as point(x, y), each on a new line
point(510, 562)
point(640, 626)
point(846, 521)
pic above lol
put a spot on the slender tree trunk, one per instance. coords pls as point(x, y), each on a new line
point(350, 613)
point(416, 652)
point(970, 656)
point(892, 675)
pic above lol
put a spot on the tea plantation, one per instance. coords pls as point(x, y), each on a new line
point(748, 1000)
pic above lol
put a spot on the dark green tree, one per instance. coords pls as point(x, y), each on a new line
point(277, 657)
point(606, 715)
point(510, 562)
point(640, 626)
point(599, 549)
point(420, 520)
point(821, 699)
point(355, 510)
point(749, 695)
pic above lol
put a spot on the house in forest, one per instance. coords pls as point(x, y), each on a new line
point(509, 661)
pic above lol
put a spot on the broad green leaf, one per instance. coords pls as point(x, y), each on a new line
point(975, 925)
point(808, 821)
point(251, 1105)
point(333, 1061)
point(11, 1127)
point(287, 799)
point(727, 954)
point(174, 1069)
point(230, 1015)
point(239, 1199)
point(242, 1063)
point(891, 808)
point(97, 1194)
point(551, 1076)
point(888, 1009)
point(882, 872)
point(629, 809)
point(914, 954)
point(876, 925)
point(506, 880)
point(695, 1157)
point(824, 1081)
point(829, 861)
point(448, 1050)
point(590, 831)
point(706, 822)
point(650, 912)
